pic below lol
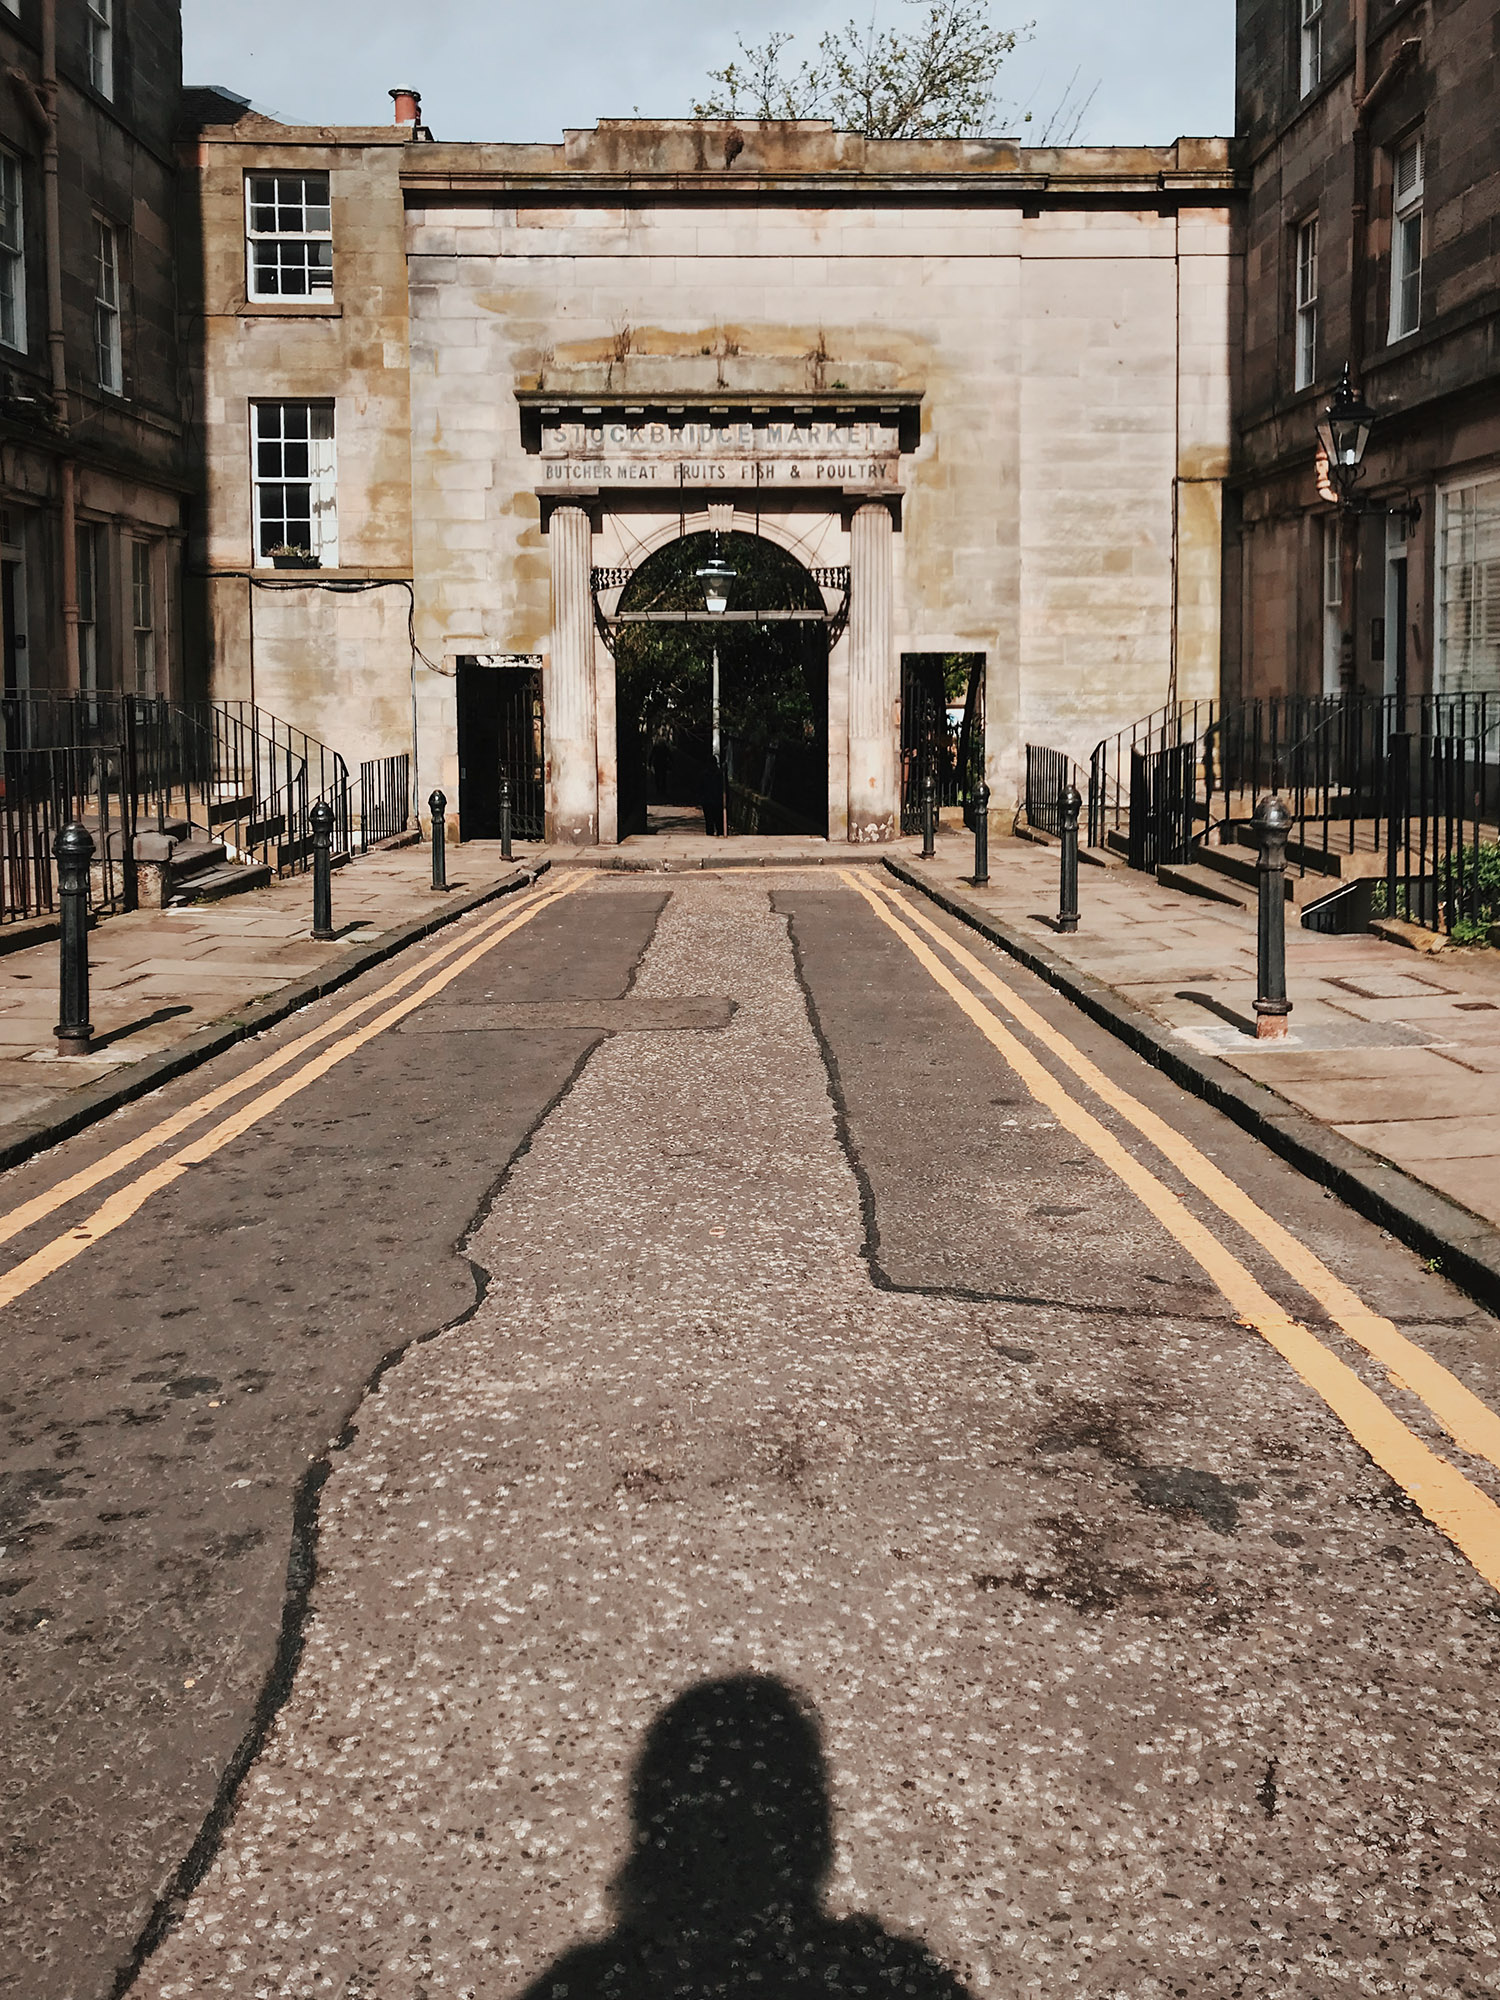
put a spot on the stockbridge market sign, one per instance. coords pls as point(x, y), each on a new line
point(700, 453)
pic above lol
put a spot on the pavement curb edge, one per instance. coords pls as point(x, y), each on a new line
point(114, 1093)
point(1463, 1247)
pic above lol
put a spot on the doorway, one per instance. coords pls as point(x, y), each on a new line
point(731, 707)
point(942, 728)
point(500, 729)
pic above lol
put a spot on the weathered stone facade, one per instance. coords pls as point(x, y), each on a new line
point(990, 384)
point(1311, 608)
point(96, 474)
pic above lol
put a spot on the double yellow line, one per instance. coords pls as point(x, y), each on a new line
point(459, 955)
point(1464, 1513)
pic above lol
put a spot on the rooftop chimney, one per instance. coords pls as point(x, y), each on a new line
point(408, 106)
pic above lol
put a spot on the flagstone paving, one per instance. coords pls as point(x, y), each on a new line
point(1395, 1050)
point(158, 976)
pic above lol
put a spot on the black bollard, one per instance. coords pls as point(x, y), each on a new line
point(1272, 824)
point(505, 816)
point(322, 859)
point(1069, 806)
point(929, 814)
point(437, 805)
point(73, 850)
point(981, 835)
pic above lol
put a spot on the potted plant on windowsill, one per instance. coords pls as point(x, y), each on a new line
point(287, 557)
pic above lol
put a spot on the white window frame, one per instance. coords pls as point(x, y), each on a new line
point(12, 252)
point(278, 468)
point(91, 559)
point(1408, 162)
point(1310, 47)
point(1332, 567)
point(143, 614)
point(109, 365)
point(1467, 565)
point(99, 45)
point(294, 258)
point(13, 558)
point(1306, 251)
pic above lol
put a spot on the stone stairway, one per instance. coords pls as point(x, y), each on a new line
point(1227, 873)
point(176, 866)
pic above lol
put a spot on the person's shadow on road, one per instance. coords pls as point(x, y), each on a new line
point(722, 1891)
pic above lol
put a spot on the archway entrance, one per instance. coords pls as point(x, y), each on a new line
point(767, 655)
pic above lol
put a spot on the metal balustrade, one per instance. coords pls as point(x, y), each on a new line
point(1414, 785)
point(128, 765)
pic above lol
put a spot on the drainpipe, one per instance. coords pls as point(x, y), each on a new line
point(40, 103)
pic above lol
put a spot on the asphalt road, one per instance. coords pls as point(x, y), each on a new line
point(687, 1459)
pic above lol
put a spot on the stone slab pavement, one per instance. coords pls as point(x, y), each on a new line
point(674, 851)
point(159, 978)
point(1396, 1051)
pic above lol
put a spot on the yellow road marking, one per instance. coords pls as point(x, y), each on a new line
point(47, 1203)
point(1469, 1518)
point(1471, 1423)
point(126, 1201)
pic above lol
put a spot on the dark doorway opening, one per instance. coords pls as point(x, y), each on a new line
point(942, 729)
point(500, 729)
point(773, 693)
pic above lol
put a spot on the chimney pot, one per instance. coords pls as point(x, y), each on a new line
point(408, 106)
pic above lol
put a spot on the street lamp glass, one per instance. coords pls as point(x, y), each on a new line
point(716, 577)
point(1345, 429)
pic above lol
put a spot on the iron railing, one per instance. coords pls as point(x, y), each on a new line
point(384, 799)
point(40, 792)
point(1048, 775)
point(1412, 784)
point(130, 764)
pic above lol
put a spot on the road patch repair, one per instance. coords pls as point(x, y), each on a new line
point(1060, 1617)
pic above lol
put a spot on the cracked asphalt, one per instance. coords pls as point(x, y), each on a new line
point(722, 1498)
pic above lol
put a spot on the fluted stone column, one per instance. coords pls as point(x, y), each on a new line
point(572, 773)
point(874, 681)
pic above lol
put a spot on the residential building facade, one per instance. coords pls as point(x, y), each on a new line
point(975, 394)
point(95, 473)
point(1367, 134)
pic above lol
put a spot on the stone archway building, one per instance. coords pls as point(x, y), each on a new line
point(990, 384)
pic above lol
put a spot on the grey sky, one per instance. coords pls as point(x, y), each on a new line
point(488, 70)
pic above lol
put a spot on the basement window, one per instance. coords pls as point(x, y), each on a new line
point(294, 479)
point(143, 611)
point(288, 236)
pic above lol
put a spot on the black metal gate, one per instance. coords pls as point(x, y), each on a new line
point(932, 739)
point(500, 728)
point(1162, 817)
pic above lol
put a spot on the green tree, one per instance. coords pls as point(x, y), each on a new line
point(937, 82)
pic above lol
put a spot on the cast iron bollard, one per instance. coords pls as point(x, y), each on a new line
point(505, 816)
point(1272, 824)
point(929, 814)
point(1069, 806)
point(437, 805)
point(322, 837)
point(981, 835)
point(73, 850)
